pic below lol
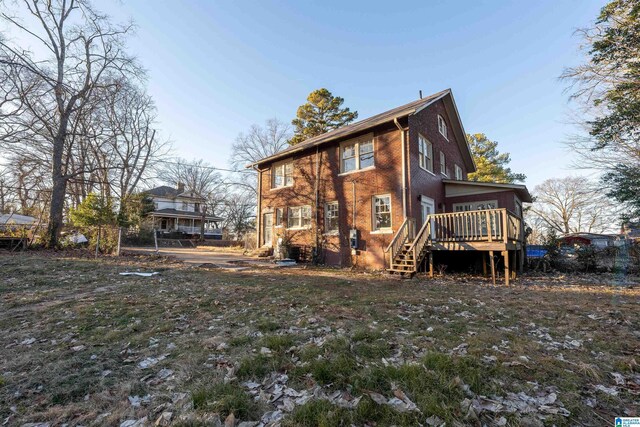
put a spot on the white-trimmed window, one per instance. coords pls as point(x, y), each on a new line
point(458, 170)
point(299, 217)
point(282, 175)
point(443, 164)
point(356, 155)
point(425, 150)
point(279, 216)
point(442, 127)
point(185, 206)
point(331, 217)
point(381, 212)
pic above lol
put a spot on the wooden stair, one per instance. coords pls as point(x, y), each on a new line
point(408, 251)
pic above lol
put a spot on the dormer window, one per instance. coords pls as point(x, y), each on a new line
point(442, 127)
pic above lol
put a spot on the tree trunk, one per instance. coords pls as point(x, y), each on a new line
point(58, 193)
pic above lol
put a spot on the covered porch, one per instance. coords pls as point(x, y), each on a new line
point(186, 223)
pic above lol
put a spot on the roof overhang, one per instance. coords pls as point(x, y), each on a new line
point(362, 126)
point(183, 216)
point(456, 188)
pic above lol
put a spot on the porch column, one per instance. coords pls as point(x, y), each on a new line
point(193, 224)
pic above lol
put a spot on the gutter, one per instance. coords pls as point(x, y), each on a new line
point(404, 168)
point(259, 207)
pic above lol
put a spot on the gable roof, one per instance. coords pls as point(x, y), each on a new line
point(366, 124)
point(172, 193)
point(163, 191)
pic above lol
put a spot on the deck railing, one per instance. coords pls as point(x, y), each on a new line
point(487, 225)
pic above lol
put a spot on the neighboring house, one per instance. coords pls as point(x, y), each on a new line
point(181, 212)
point(591, 239)
point(13, 220)
point(388, 191)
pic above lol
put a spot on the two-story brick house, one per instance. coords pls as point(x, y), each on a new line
point(397, 178)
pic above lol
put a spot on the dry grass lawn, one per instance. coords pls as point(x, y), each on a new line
point(82, 345)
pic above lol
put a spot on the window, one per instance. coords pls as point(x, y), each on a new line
point(282, 175)
point(443, 164)
point(475, 206)
point(442, 127)
point(458, 170)
point(299, 217)
point(279, 215)
point(381, 212)
point(196, 207)
point(356, 155)
point(185, 206)
point(425, 149)
point(331, 217)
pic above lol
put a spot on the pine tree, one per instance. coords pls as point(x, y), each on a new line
point(321, 113)
point(491, 165)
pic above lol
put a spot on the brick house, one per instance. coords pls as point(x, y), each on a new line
point(397, 178)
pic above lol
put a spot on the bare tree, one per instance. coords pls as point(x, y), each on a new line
point(258, 143)
point(134, 145)
point(571, 205)
point(77, 51)
point(239, 213)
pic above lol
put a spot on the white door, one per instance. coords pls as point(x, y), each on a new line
point(428, 206)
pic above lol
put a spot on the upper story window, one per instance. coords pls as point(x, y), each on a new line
point(356, 155)
point(299, 217)
point(331, 217)
point(442, 127)
point(425, 150)
point(282, 175)
point(196, 207)
point(185, 206)
point(382, 212)
point(443, 164)
point(458, 170)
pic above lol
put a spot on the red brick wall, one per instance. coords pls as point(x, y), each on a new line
point(423, 182)
point(384, 179)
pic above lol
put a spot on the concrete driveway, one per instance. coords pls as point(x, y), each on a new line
point(200, 256)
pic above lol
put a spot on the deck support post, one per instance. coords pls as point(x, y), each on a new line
point(493, 267)
point(484, 263)
point(431, 264)
point(514, 270)
point(507, 273)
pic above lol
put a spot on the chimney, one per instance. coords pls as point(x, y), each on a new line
point(420, 92)
point(180, 188)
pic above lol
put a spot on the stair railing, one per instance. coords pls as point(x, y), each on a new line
point(405, 233)
point(423, 238)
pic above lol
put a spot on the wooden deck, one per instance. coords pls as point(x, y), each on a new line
point(489, 230)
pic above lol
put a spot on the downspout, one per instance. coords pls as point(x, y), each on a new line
point(404, 169)
point(259, 212)
point(317, 191)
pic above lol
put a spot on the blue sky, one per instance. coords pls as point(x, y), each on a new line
point(215, 68)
